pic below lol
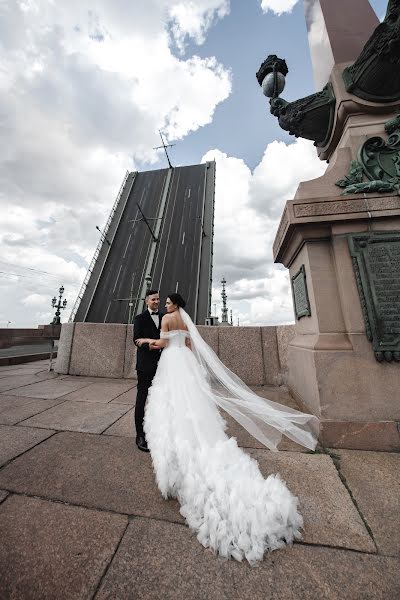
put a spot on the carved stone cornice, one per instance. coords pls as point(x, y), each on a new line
point(307, 220)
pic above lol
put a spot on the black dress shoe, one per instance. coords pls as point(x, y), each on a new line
point(141, 443)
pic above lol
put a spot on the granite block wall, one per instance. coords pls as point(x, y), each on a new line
point(258, 355)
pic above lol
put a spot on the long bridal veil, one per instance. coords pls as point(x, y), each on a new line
point(264, 419)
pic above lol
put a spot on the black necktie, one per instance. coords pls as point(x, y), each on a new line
point(154, 313)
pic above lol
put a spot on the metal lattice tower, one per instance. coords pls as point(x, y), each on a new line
point(224, 308)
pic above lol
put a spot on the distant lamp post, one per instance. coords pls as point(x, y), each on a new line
point(104, 237)
point(271, 76)
point(8, 323)
point(58, 306)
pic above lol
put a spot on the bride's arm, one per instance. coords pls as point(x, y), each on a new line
point(161, 343)
point(157, 344)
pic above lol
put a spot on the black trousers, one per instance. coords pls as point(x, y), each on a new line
point(144, 382)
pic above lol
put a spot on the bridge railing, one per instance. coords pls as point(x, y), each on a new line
point(97, 251)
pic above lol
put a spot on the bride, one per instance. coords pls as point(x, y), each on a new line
point(223, 496)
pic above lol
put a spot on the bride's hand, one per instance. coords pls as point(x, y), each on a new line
point(141, 341)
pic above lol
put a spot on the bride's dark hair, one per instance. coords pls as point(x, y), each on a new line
point(177, 299)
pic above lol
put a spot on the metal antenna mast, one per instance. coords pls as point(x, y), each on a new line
point(165, 146)
point(224, 298)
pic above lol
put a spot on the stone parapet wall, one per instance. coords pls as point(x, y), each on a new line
point(258, 355)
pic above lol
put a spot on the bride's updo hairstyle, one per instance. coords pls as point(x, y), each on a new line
point(177, 299)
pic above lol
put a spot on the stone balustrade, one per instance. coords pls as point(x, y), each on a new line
point(258, 355)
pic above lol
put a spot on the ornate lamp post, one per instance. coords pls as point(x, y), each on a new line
point(57, 320)
point(271, 76)
point(311, 117)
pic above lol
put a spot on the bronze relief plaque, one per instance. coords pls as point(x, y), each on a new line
point(300, 294)
point(376, 261)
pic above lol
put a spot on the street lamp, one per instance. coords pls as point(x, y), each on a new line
point(103, 236)
point(271, 76)
point(63, 304)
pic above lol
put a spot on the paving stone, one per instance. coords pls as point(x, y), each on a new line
point(125, 426)
point(50, 551)
point(246, 440)
point(172, 565)
point(49, 389)
point(15, 380)
point(37, 365)
point(14, 409)
point(128, 397)
point(91, 470)
point(374, 481)
point(16, 440)
point(330, 517)
point(87, 417)
point(100, 392)
point(312, 573)
point(9, 371)
point(93, 379)
point(3, 495)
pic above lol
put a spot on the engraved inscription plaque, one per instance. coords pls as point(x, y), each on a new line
point(376, 260)
point(300, 294)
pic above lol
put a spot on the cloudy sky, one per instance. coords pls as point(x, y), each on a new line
point(85, 86)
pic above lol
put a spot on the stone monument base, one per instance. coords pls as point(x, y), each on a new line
point(357, 398)
point(343, 254)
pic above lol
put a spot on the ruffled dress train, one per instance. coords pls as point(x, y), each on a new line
point(223, 496)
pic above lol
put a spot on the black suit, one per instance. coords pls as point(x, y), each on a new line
point(146, 362)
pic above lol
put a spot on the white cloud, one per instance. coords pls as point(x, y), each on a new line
point(192, 19)
point(84, 87)
point(279, 7)
point(247, 213)
point(281, 169)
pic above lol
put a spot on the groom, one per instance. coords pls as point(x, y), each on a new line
point(147, 325)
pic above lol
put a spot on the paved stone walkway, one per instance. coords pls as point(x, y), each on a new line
point(81, 516)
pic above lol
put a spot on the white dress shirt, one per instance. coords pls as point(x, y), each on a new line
point(156, 318)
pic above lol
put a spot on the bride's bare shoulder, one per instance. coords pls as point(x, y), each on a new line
point(167, 318)
point(173, 322)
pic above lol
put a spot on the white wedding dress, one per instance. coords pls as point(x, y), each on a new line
point(224, 498)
